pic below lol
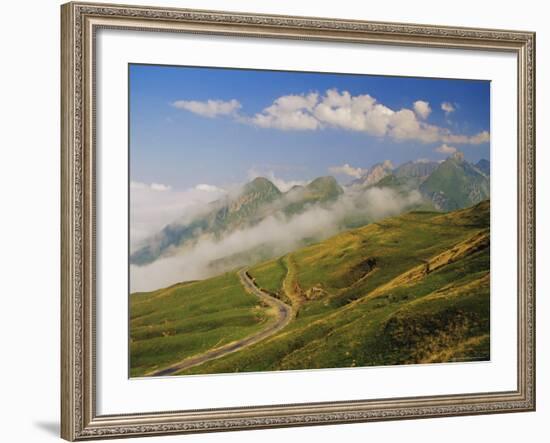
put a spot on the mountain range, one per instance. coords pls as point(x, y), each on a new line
point(258, 199)
point(456, 184)
point(443, 186)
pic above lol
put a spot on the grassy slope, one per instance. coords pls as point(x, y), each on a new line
point(269, 275)
point(459, 184)
point(171, 324)
point(413, 288)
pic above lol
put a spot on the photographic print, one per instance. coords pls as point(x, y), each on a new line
point(298, 220)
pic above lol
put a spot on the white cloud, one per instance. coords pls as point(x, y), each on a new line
point(422, 109)
point(289, 112)
point(361, 113)
point(346, 169)
point(160, 187)
point(448, 108)
point(356, 113)
point(209, 188)
point(482, 137)
point(446, 149)
point(405, 126)
point(153, 186)
point(209, 108)
point(340, 109)
point(138, 185)
point(478, 139)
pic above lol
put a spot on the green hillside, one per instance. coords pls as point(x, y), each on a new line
point(456, 184)
point(270, 276)
point(408, 289)
point(171, 324)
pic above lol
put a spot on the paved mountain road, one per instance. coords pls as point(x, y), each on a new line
point(283, 312)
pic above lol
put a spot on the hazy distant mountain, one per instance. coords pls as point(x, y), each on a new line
point(374, 174)
point(416, 169)
point(408, 176)
point(322, 189)
point(484, 166)
point(449, 185)
point(247, 206)
point(455, 184)
point(257, 200)
point(413, 173)
point(400, 184)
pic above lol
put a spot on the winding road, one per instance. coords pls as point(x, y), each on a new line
point(284, 314)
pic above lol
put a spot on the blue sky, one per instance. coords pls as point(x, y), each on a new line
point(220, 127)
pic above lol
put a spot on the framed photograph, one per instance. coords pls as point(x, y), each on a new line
point(283, 221)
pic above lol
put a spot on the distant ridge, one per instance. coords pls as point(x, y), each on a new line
point(258, 199)
point(420, 170)
point(452, 184)
point(374, 174)
point(456, 184)
point(484, 166)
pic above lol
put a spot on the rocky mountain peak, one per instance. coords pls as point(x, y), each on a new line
point(458, 156)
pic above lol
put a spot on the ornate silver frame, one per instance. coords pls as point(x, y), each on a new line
point(80, 21)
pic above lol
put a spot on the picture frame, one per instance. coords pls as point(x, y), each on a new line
point(79, 388)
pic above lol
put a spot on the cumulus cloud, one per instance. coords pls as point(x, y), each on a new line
point(341, 110)
point(446, 149)
point(209, 108)
point(478, 139)
point(346, 169)
point(404, 125)
point(289, 112)
point(482, 137)
point(362, 113)
point(422, 108)
point(277, 232)
point(356, 113)
point(448, 108)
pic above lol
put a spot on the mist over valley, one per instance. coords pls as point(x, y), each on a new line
point(209, 231)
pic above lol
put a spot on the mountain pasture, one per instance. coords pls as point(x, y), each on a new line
point(186, 319)
point(407, 289)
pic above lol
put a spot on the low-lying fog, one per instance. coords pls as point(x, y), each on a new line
point(275, 234)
